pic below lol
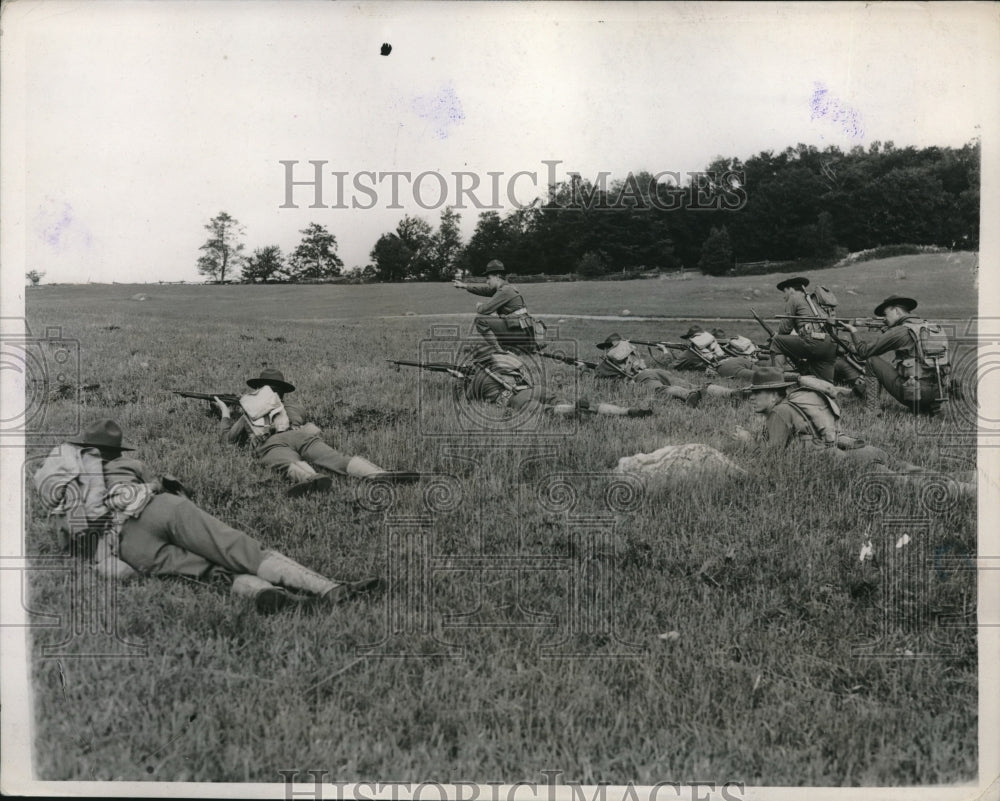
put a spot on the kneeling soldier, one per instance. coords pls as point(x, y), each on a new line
point(919, 370)
point(512, 326)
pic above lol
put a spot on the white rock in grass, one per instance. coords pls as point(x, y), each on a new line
point(693, 459)
point(626, 311)
point(867, 551)
point(140, 296)
point(670, 636)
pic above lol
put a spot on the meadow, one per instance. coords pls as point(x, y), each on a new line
point(543, 612)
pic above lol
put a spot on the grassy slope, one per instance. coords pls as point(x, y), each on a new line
point(759, 577)
point(942, 282)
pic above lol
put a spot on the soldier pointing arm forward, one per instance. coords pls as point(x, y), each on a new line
point(512, 324)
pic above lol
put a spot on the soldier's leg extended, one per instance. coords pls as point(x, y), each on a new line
point(491, 329)
point(660, 382)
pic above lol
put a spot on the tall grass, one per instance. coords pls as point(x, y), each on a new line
point(793, 662)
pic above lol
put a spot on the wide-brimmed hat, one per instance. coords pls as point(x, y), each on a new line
point(495, 266)
point(798, 282)
point(693, 331)
point(273, 378)
point(718, 333)
point(768, 378)
point(102, 434)
point(610, 342)
point(895, 300)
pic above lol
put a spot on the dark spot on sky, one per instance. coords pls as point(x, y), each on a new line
point(386, 48)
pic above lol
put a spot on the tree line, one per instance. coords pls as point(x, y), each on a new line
point(801, 204)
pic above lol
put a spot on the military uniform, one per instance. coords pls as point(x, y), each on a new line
point(156, 532)
point(500, 379)
point(918, 387)
point(512, 326)
point(703, 351)
point(810, 418)
point(806, 344)
point(621, 362)
point(298, 448)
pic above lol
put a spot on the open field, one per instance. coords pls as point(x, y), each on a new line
point(942, 282)
point(531, 587)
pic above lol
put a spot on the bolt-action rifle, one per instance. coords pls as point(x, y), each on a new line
point(229, 400)
point(435, 367)
point(677, 346)
point(830, 325)
point(568, 360)
point(871, 323)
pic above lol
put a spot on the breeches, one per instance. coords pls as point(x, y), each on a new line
point(653, 377)
point(688, 361)
point(173, 536)
point(738, 367)
point(844, 372)
point(819, 354)
point(917, 395)
point(288, 447)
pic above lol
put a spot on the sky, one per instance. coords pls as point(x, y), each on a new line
point(136, 123)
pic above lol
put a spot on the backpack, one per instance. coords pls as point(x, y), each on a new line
point(741, 346)
point(264, 410)
point(930, 349)
point(825, 298)
point(813, 399)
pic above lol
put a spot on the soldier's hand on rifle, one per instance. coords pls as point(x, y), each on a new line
point(223, 409)
point(662, 348)
point(848, 327)
point(458, 284)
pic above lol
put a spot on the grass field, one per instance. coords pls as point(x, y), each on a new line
point(944, 283)
point(544, 614)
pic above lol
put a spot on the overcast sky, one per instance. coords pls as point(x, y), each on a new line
point(140, 121)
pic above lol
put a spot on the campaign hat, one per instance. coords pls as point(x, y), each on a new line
point(494, 266)
point(273, 378)
point(102, 434)
point(895, 300)
point(798, 282)
point(768, 378)
point(610, 342)
point(693, 331)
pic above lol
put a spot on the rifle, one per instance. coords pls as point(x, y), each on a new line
point(568, 360)
point(765, 326)
point(229, 400)
point(830, 325)
point(872, 323)
point(435, 367)
point(678, 346)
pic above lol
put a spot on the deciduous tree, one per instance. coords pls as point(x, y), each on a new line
point(223, 251)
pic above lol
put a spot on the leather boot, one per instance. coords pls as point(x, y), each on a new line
point(718, 391)
point(267, 599)
point(316, 483)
